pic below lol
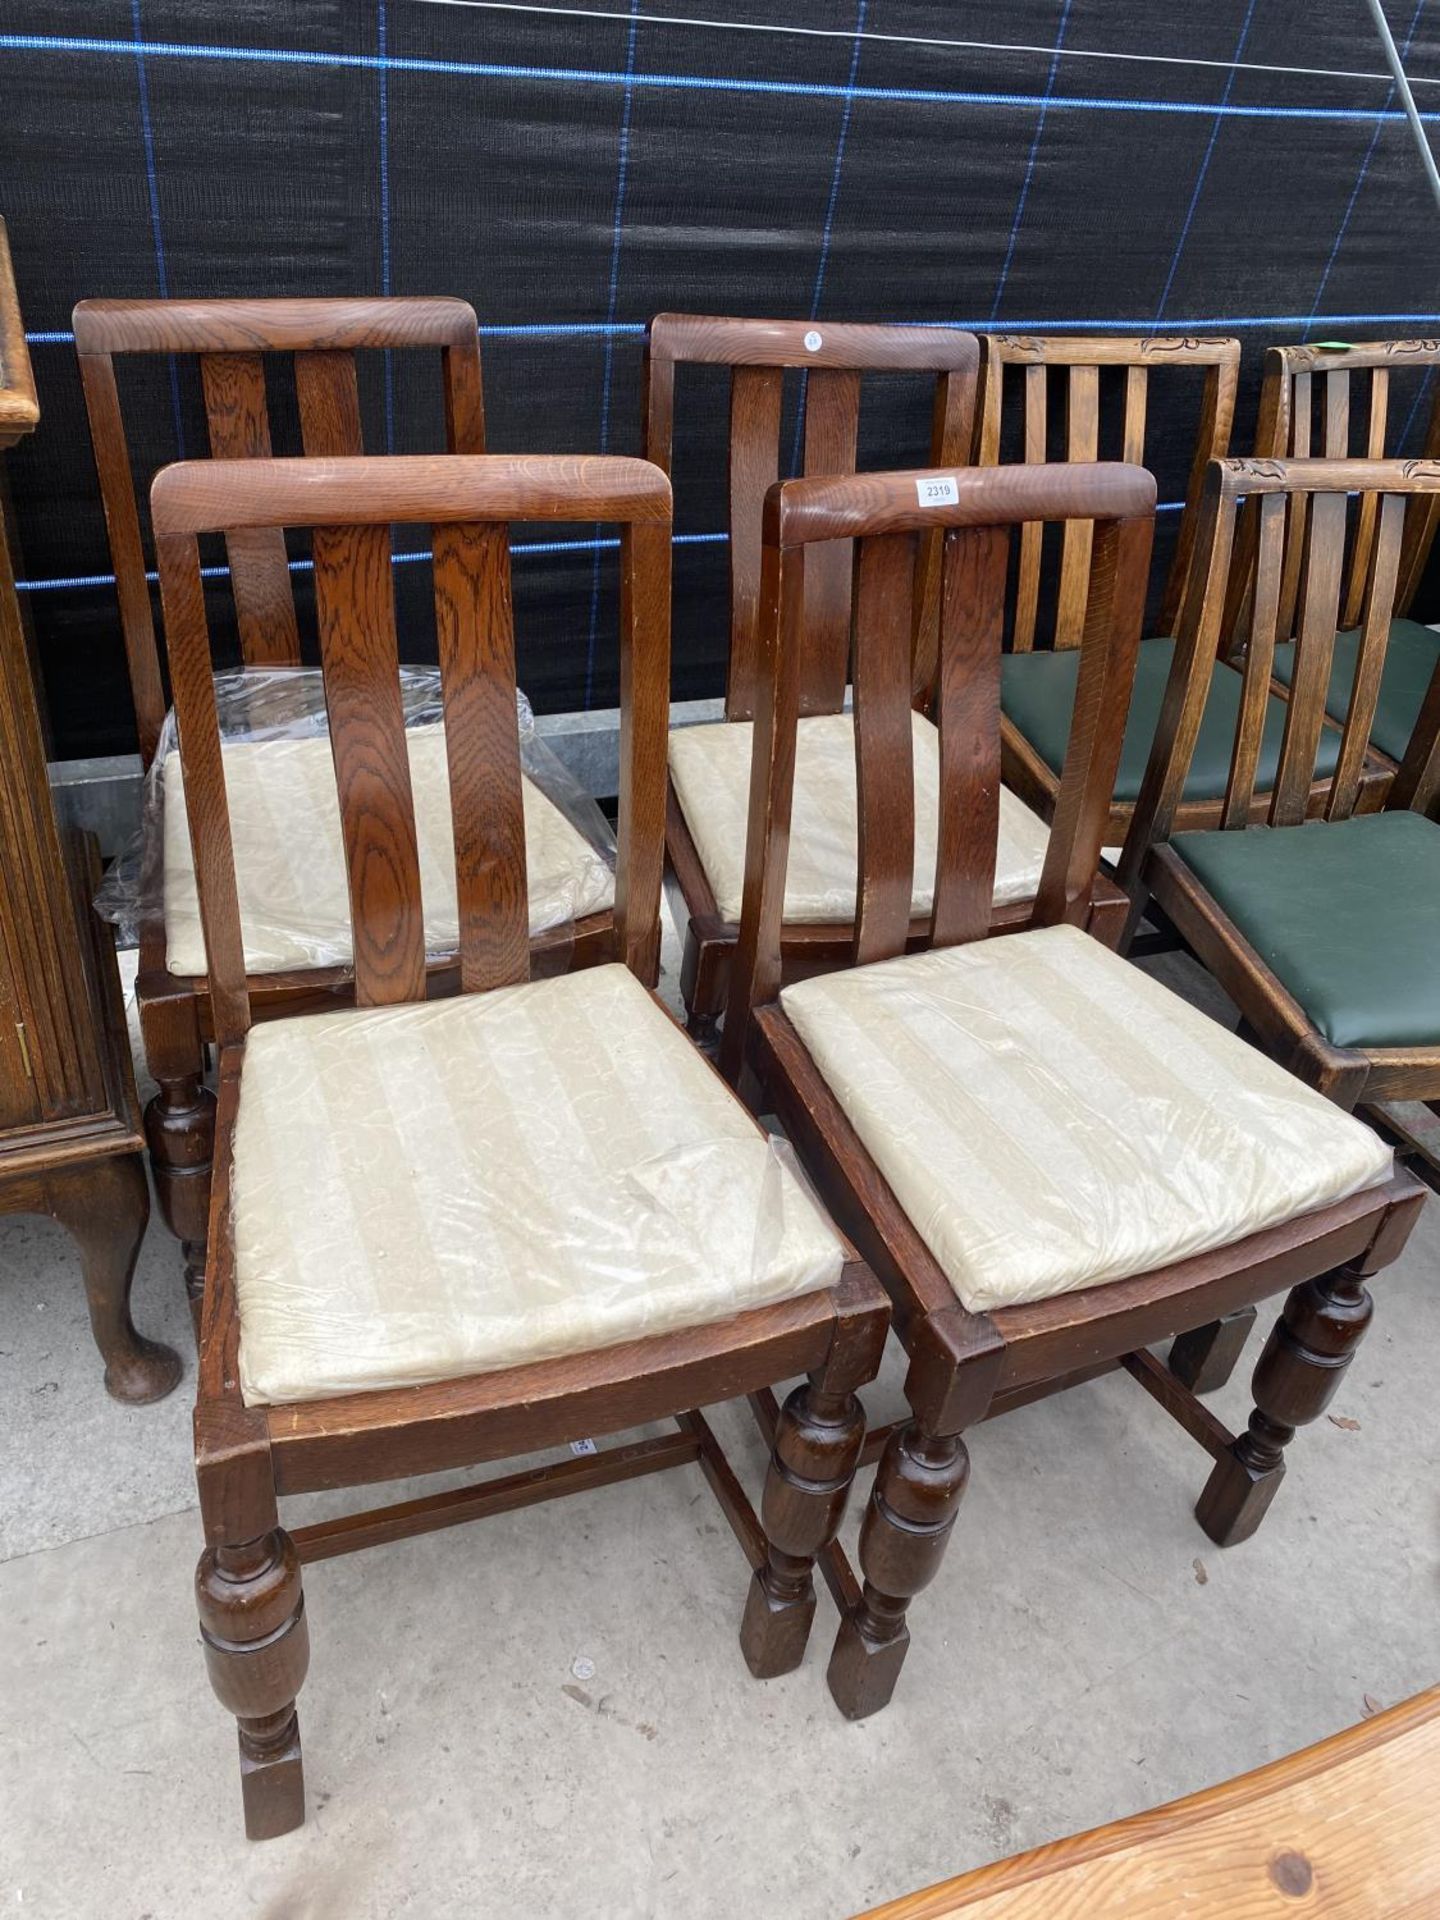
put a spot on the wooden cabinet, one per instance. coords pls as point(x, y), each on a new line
point(70, 1138)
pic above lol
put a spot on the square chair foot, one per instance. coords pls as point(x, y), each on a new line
point(1236, 1499)
point(863, 1672)
point(775, 1629)
point(273, 1786)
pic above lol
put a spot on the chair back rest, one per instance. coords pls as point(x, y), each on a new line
point(230, 339)
point(976, 511)
point(1269, 489)
point(1339, 402)
point(1079, 366)
point(832, 358)
point(468, 500)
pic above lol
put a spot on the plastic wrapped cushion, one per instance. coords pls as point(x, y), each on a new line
point(710, 768)
point(1051, 1118)
point(285, 828)
point(428, 1191)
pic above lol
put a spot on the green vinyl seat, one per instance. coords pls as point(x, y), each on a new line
point(1345, 913)
point(1037, 695)
point(1410, 660)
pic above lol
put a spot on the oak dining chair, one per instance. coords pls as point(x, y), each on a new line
point(1338, 402)
point(284, 898)
point(1324, 933)
point(1061, 397)
point(448, 1231)
point(1049, 1160)
point(710, 763)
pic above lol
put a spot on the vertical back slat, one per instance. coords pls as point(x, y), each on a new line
point(1133, 437)
point(239, 424)
point(329, 396)
point(122, 520)
point(1378, 610)
point(354, 599)
point(967, 712)
point(1032, 537)
point(1315, 637)
point(192, 681)
point(1297, 506)
point(1360, 553)
point(1082, 442)
point(644, 738)
point(884, 749)
point(1114, 613)
point(1212, 442)
point(832, 420)
point(464, 397)
point(1255, 694)
point(952, 433)
point(755, 394)
point(475, 631)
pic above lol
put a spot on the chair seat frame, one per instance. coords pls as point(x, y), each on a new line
point(966, 1367)
point(249, 1580)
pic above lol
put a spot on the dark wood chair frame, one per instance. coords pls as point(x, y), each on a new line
point(1279, 495)
point(967, 1367)
point(1082, 362)
point(759, 352)
point(249, 1579)
point(1311, 405)
point(231, 338)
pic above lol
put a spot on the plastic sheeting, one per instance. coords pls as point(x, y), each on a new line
point(287, 839)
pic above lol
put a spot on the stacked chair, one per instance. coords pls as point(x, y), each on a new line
point(450, 1209)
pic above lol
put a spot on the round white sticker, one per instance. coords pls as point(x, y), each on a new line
point(813, 341)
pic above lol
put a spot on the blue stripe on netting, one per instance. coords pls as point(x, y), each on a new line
point(1204, 167)
point(80, 582)
point(1030, 162)
point(617, 234)
point(688, 82)
point(1220, 323)
point(828, 228)
point(1364, 169)
point(382, 43)
point(162, 277)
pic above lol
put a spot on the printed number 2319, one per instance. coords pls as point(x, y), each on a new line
point(937, 493)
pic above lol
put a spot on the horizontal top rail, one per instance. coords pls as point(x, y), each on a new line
point(800, 511)
point(213, 496)
point(1078, 350)
point(1257, 474)
point(718, 340)
point(270, 326)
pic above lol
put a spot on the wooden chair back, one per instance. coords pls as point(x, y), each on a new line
point(350, 504)
point(1337, 403)
point(1269, 489)
point(833, 357)
point(976, 511)
point(230, 338)
point(1079, 364)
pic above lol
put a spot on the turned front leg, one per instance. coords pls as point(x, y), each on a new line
point(1311, 1345)
point(180, 1132)
point(818, 1438)
point(257, 1648)
point(907, 1527)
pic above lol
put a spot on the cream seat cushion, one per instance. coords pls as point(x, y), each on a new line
point(290, 856)
point(710, 768)
point(1050, 1118)
point(426, 1191)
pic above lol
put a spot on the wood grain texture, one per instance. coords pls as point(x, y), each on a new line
point(967, 715)
point(239, 423)
point(270, 325)
point(1282, 1840)
point(884, 755)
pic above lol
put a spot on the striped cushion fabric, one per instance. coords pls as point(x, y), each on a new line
point(427, 1191)
point(290, 856)
point(710, 769)
point(1051, 1118)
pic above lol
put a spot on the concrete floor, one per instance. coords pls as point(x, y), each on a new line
point(547, 1714)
